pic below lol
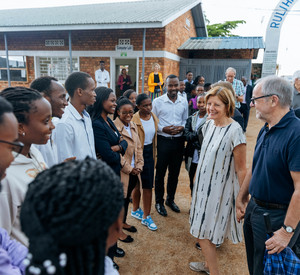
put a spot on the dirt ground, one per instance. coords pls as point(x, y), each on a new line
point(170, 249)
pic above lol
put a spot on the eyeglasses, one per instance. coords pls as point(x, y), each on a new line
point(16, 146)
point(127, 113)
point(255, 98)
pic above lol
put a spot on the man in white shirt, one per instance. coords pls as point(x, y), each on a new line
point(189, 77)
point(55, 93)
point(74, 133)
point(172, 112)
point(102, 76)
point(182, 89)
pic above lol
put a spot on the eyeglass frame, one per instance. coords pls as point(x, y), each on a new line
point(18, 144)
point(252, 100)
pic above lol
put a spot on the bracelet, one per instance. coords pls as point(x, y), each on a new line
point(120, 147)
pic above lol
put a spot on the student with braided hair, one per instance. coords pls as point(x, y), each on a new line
point(72, 214)
point(33, 113)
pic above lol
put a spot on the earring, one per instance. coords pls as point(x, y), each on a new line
point(23, 134)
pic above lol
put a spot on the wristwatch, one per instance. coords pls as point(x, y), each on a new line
point(288, 229)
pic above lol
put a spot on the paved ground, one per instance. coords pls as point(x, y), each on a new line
point(170, 249)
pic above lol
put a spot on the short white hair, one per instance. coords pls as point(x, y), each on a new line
point(296, 75)
point(230, 69)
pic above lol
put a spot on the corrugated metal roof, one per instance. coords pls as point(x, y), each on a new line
point(150, 11)
point(222, 43)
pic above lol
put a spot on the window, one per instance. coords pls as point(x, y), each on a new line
point(124, 41)
point(58, 67)
point(17, 68)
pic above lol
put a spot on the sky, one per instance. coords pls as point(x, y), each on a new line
point(256, 13)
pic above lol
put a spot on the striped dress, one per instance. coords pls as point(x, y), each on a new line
point(216, 186)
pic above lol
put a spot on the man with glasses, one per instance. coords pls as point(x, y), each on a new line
point(274, 180)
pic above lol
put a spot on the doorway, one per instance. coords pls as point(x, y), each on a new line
point(130, 66)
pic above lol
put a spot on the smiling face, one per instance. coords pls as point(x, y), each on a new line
point(201, 81)
point(200, 90)
point(126, 113)
point(109, 105)
point(39, 126)
point(9, 133)
point(181, 86)
point(145, 107)
point(172, 87)
point(57, 99)
point(201, 104)
point(88, 95)
point(215, 108)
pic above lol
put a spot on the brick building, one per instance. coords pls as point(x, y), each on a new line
point(43, 41)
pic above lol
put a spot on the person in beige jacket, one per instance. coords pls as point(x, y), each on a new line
point(132, 162)
point(147, 124)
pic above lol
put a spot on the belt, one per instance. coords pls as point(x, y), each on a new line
point(270, 205)
point(169, 138)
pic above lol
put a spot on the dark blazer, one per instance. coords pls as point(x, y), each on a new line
point(238, 118)
point(249, 90)
point(105, 137)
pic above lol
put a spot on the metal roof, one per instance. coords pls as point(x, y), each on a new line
point(222, 43)
point(138, 14)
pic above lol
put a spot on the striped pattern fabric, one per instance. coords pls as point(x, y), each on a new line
point(284, 263)
point(216, 187)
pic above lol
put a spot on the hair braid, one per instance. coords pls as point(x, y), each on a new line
point(73, 205)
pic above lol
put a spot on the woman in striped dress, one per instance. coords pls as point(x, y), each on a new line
point(220, 172)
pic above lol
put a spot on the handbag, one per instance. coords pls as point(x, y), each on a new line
point(157, 90)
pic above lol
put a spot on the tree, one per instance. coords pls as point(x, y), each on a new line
point(223, 29)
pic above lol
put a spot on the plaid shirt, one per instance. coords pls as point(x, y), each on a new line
point(239, 89)
point(284, 263)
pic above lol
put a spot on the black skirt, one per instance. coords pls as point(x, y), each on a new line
point(147, 174)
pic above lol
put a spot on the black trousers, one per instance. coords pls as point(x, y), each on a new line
point(255, 234)
point(245, 111)
point(132, 183)
point(169, 156)
point(192, 173)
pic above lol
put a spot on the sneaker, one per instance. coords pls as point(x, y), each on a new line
point(138, 214)
point(149, 223)
point(198, 267)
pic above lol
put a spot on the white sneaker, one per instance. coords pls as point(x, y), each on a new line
point(198, 267)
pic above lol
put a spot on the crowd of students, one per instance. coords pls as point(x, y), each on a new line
point(77, 163)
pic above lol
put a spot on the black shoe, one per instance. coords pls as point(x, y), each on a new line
point(161, 209)
point(119, 253)
point(128, 239)
point(173, 206)
point(131, 229)
point(115, 266)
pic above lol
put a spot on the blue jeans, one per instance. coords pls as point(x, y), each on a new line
point(255, 234)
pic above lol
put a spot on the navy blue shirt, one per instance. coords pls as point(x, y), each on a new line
point(277, 152)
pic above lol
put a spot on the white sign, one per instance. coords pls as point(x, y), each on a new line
point(273, 36)
point(124, 48)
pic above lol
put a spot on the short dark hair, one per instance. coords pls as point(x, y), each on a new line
point(140, 98)
point(102, 94)
point(76, 80)
point(43, 84)
point(21, 98)
point(5, 107)
point(128, 92)
point(69, 209)
point(103, 62)
point(171, 76)
point(188, 72)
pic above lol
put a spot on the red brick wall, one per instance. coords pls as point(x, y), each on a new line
point(30, 75)
point(177, 32)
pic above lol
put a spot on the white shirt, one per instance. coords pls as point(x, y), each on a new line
point(74, 135)
point(149, 130)
point(19, 174)
point(183, 94)
point(170, 113)
point(102, 78)
point(127, 128)
point(109, 267)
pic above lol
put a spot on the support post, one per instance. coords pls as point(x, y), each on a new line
point(143, 66)
point(7, 60)
point(70, 51)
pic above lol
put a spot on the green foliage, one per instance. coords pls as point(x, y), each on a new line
point(223, 29)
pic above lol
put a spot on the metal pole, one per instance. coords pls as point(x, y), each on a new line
point(7, 61)
point(70, 51)
point(143, 66)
